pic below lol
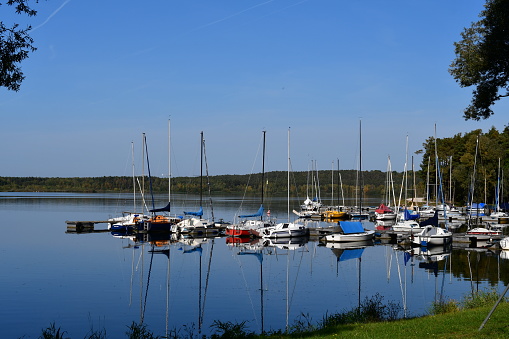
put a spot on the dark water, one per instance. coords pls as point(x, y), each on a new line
point(87, 282)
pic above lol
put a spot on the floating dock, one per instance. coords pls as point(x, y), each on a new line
point(86, 226)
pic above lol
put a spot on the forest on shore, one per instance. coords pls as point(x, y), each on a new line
point(466, 165)
point(275, 183)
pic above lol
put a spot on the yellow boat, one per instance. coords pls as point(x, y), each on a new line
point(334, 215)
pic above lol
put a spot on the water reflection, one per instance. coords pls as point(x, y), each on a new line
point(185, 284)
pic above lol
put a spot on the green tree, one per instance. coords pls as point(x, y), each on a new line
point(15, 45)
point(482, 59)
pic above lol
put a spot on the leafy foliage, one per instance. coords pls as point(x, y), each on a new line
point(456, 157)
point(15, 45)
point(482, 59)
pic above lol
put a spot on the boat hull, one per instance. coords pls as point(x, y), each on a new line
point(339, 237)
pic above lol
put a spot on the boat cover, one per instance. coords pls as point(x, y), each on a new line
point(431, 221)
point(383, 209)
point(351, 254)
point(480, 205)
point(164, 209)
point(198, 214)
point(411, 216)
point(257, 214)
point(350, 227)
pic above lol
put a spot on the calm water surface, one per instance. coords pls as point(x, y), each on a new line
point(95, 281)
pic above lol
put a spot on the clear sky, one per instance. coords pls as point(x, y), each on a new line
point(107, 71)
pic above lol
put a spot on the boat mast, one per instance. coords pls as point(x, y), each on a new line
point(134, 179)
point(332, 184)
point(169, 161)
point(201, 168)
point(288, 177)
point(360, 170)
point(263, 170)
point(148, 169)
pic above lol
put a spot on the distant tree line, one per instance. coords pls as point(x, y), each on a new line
point(468, 169)
point(319, 184)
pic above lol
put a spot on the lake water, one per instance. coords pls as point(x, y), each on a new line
point(95, 281)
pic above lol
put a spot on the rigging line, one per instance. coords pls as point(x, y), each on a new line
point(202, 311)
point(148, 169)
point(131, 284)
point(443, 280)
point(168, 293)
point(249, 180)
point(208, 180)
point(246, 286)
point(403, 297)
point(296, 277)
point(148, 283)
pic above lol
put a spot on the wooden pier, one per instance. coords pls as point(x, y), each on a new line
point(86, 226)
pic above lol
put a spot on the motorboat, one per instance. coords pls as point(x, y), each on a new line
point(350, 231)
point(432, 235)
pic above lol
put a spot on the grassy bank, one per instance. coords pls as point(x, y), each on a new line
point(373, 319)
point(460, 324)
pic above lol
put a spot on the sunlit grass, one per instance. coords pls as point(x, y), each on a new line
point(373, 318)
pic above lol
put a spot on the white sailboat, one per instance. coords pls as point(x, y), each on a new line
point(432, 234)
point(195, 223)
point(353, 230)
point(283, 229)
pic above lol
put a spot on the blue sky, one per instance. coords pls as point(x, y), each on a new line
point(107, 71)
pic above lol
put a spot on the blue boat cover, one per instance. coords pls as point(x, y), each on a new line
point(351, 254)
point(198, 214)
point(257, 214)
point(411, 216)
point(479, 205)
point(164, 209)
point(433, 221)
point(350, 227)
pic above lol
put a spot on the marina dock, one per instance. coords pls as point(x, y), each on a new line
point(86, 226)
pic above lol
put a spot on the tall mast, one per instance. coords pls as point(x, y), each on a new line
point(201, 168)
point(134, 179)
point(169, 160)
point(263, 164)
point(360, 169)
point(288, 177)
point(332, 184)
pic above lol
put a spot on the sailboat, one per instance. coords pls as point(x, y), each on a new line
point(432, 234)
point(353, 230)
point(480, 233)
point(195, 224)
point(284, 229)
point(245, 227)
point(129, 221)
point(498, 213)
point(384, 212)
point(160, 222)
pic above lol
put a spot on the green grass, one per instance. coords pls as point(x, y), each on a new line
point(461, 324)
point(372, 319)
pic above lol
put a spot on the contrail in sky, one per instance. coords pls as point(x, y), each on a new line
point(230, 16)
point(52, 15)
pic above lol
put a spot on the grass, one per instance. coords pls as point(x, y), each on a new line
point(372, 319)
point(462, 324)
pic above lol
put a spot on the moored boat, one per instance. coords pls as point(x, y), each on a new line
point(282, 230)
point(432, 235)
point(350, 231)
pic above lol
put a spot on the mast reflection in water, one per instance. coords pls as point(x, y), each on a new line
point(183, 285)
